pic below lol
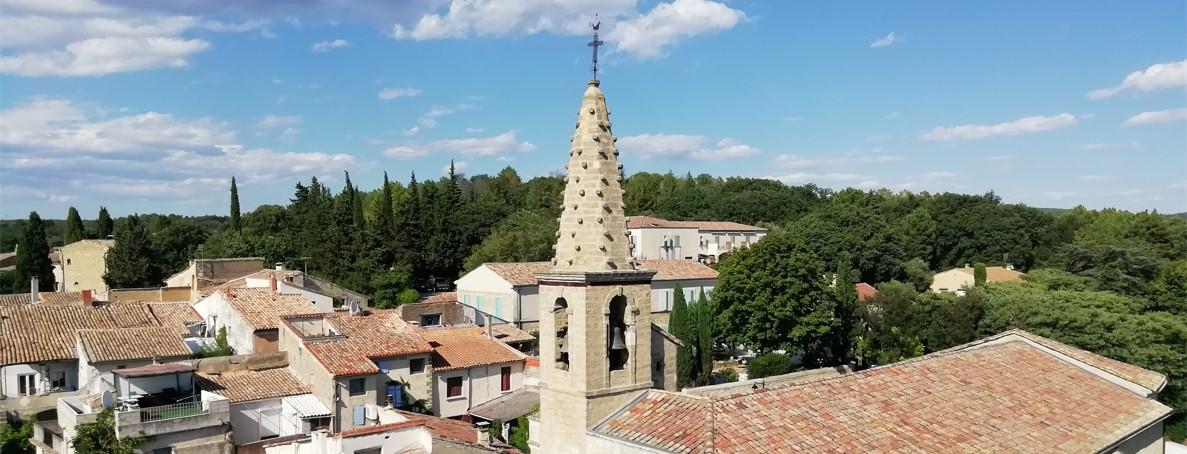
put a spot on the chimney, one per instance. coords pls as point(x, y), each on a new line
point(87, 298)
point(34, 290)
point(279, 266)
point(272, 283)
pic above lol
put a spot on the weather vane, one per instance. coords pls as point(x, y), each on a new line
point(595, 25)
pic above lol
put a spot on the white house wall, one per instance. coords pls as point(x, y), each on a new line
point(252, 421)
point(662, 292)
point(42, 375)
point(217, 313)
point(486, 291)
point(649, 243)
point(479, 385)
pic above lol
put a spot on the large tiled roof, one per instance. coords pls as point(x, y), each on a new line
point(524, 273)
point(443, 297)
point(261, 308)
point(466, 347)
point(448, 429)
point(1148, 379)
point(1001, 397)
point(508, 333)
point(46, 332)
point(249, 385)
point(103, 345)
point(174, 314)
point(644, 222)
point(373, 335)
point(14, 299)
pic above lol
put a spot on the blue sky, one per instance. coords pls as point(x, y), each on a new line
point(145, 107)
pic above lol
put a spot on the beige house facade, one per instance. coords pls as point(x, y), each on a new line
point(660, 239)
point(959, 280)
point(83, 264)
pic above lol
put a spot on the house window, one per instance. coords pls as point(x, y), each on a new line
point(478, 302)
point(505, 378)
point(395, 393)
point(368, 451)
point(416, 365)
point(466, 300)
point(659, 366)
point(26, 384)
point(359, 415)
point(453, 387)
point(498, 307)
point(358, 386)
point(319, 424)
point(59, 380)
point(430, 319)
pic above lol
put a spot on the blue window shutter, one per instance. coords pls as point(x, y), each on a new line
point(360, 415)
point(498, 307)
point(478, 299)
point(466, 300)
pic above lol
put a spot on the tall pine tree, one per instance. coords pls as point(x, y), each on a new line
point(129, 261)
point(387, 215)
point(75, 231)
point(845, 311)
point(409, 250)
point(682, 324)
point(704, 338)
point(32, 258)
point(235, 223)
point(106, 225)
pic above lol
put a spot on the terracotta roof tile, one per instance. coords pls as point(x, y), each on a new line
point(263, 309)
point(1007, 397)
point(865, 291)
point(43, 298)
point(103, 345)
point(643, 222)
point(443, 297)
point(463, 348)
point(1148, 379)
point(375, 334)
point(524, 273)
point(174, 314)
point(508, 333)
point(448, 429)
point(244, 386)
point(996, 274)
point(46, 332)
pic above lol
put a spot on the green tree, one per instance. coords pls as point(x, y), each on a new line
point(1121, 269)
point(99, 437)
point(769, 365)
point(682, 324)
point(775, 295)
point(1170, 289)
point(130, 261)
point(703, 311)
point(917, 274)
point(75, 231)
point(845, 318)
point(895, 326)
point(105, 225)
point(525, 236)
point(979, 274)
point(14, 438)
point(390, 287)
point(496, 429)
point(174, 245)
point(519, 435)
point(32, 258)
point(235, 223)
point(220, 347)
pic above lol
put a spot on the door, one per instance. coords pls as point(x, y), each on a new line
point(26, 384)
point(395, 394)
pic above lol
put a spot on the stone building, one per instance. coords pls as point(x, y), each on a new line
point(83, 264)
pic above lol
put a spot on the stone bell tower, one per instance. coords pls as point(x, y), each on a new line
point(595, 306)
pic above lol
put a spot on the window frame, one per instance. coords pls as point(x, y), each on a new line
point(362, 386)
point(416, 370)
point(461, 385)
point(505, 379)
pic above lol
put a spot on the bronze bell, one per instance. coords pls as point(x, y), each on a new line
point(619, 340)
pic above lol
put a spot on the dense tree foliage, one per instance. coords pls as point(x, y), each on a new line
point(75, 230)
point(15, 435)
point(525, 236)
point(99, 437)
point(682, 324)
point(105, 227)
point(32, 258)
point(768, 365)
point(131, 261)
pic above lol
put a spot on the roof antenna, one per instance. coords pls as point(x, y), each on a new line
point(595, 25)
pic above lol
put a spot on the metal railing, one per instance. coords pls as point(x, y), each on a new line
point(182, 410)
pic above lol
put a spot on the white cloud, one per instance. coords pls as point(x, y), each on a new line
point(412, 131)
point(103, 56)
point(891, 116)
point(497, 145)
point(649, 146)
point(290, 134)
point(326, 46)
point(1156, 77)
point(1097, 177)
point(875, 156)
point(429, 119)
point(388, 94)
point(884, 41)
point(802, 178)
point(649, 35)
point(1059, 195)
point(1159, 116)
point(1026, 125)
point(1177, 185)
point(458, 167)
point(278, 121)
point(474, 130)
point(643, 35)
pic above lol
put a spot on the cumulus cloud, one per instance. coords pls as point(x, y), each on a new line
point(1157, 77)
point(833, 177)
point(876, 156)
point(474, 130)
point(649, 146)
point(430, 118)
point(1158, 116)
point(388, 94)
point(84, 38)
point(643, 35)
point(497, 145)
point(884, 41)
point(326, 46)
point(278, 121)
point(1026, 125)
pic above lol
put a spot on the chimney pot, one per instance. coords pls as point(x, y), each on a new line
point(34, 290)
point(272, 283)
point(279, 266)
point(87, 298)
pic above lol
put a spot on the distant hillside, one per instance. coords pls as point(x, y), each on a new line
point(1058, 211)
point(11, 229)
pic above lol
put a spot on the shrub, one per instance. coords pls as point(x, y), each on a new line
point(770, 364)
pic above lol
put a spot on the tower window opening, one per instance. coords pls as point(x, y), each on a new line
point(561, 318)
point(617, 351)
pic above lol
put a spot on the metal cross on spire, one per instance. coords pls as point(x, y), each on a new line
point(595, 25)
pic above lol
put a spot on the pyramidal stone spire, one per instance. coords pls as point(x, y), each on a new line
point(593, 235)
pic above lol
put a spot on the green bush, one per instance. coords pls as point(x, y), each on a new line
point(770, 364)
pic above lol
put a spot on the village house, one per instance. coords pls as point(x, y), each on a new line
point(83, 264)
point(660, 239)
point(101, 352)
point(251, 316)
point(959, 280)
point(266, 404)
point(396, 432)
point(510, 291)
point(470, 368)
point(204, 276)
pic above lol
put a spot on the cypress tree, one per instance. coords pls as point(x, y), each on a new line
point(234, 205)
point(704, 313)
point(106, 225)
point(32, 258)
point(387, 213)
point(845, 310)
point(682, 324)
point(356, 203)
point(129, 261)
point(979, 273)
point(409, 247)
point(75, 231)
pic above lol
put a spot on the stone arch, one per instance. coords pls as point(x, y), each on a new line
point(617, 347)
point(560, 315)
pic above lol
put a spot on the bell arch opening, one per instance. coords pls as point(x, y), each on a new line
point(616, 350)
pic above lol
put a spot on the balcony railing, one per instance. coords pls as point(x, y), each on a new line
point(182, 410)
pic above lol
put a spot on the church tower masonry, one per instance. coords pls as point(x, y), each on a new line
point(595, 306)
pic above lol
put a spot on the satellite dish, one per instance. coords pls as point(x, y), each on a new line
point(106, 399)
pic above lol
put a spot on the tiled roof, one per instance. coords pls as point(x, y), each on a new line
point(46, 332)
point(249, 385)
point(865, 291)
point(448, 429)
point(509, 406)
point(443, 297)
point(643, 222)
point(103, 345)
point(174, 314)
point(463, 348)
point(524, 273)
point(153, 370)
point(365, 338)
point(42, 297)
point(1003, 397)
point(1148, 379)
point(380, 428)
point(263, 309)
point(508, 333)
point(996, 274)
